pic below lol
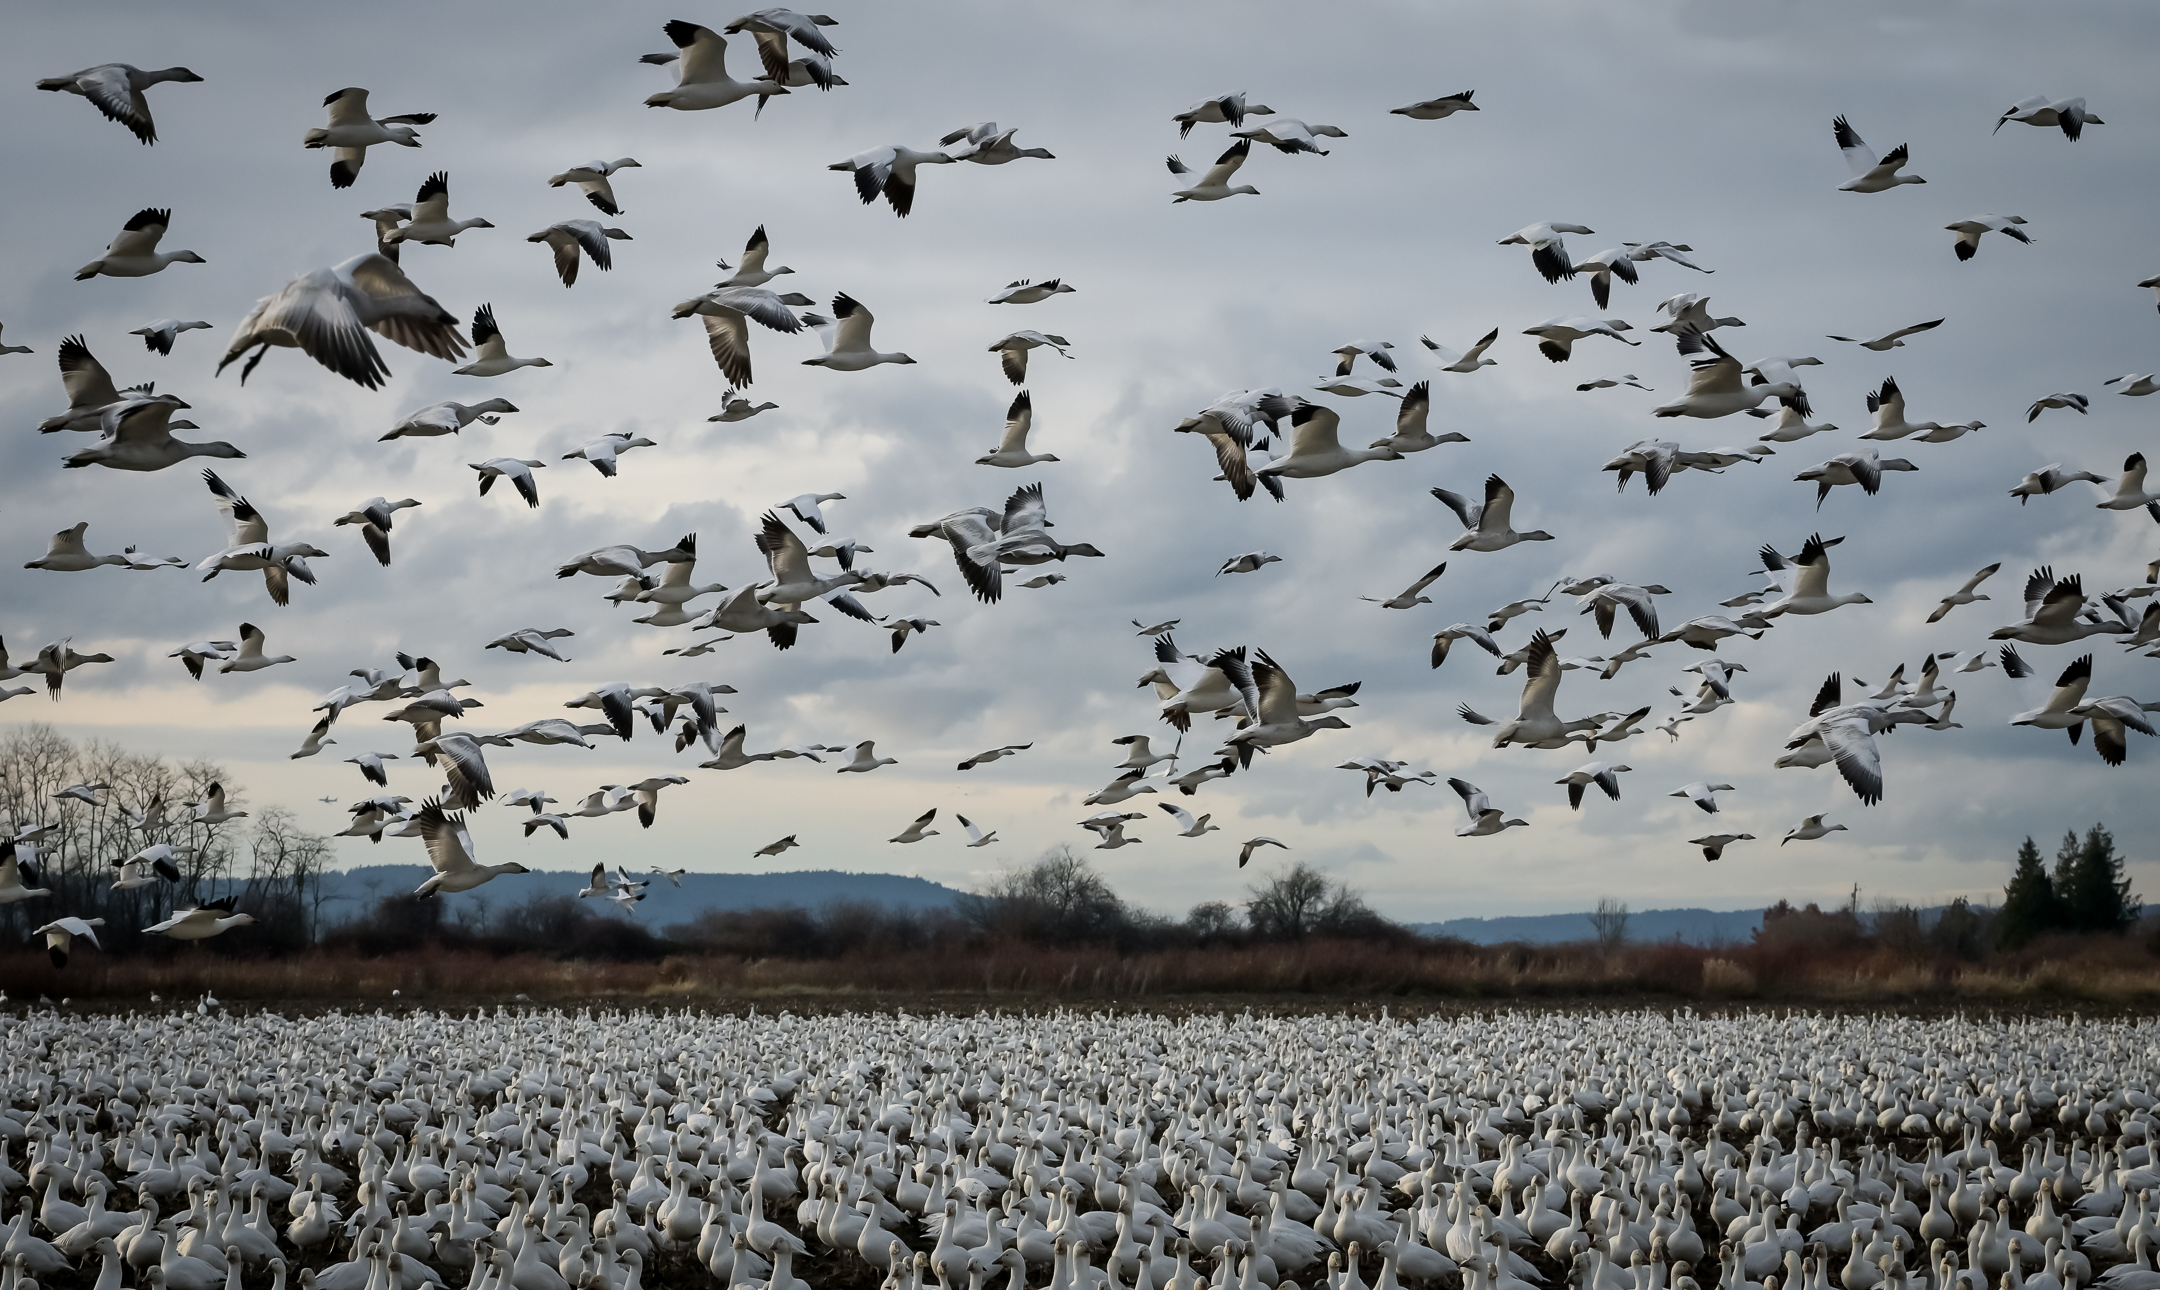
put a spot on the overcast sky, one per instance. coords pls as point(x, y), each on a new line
point(1702, 123)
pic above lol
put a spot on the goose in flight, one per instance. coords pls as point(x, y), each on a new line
point(1705, 632)
point(2077, 403)
point(1606, 775)
point(1603, 267)
point(65, 553)
point(568, 236)
point(314, 742)
point(1012, 451)
point(1012, 351)
point(742, 613)
point(1805, 580)
point(1812, 829)
point(211, 918)
point(371, 769)
point(1964, 595)
point(730, 755)
point(1702, 793)
point(2130, 493)
point(89, 388)
point(701, 76)
point(196, 653)
point(775, 848)
point(1609, 383)
point(60, 933)
point(1967, 242)
point(1717, 386)
point(1847, 735)
point(1410, 418)
point(1488, 522)
point(54, 662)
point(1250, 562)
point(1382, 771)
point(847, 340)
point(808, 507)
point(601, 452)
point(1557, 336)
point(518, 470)
point(1864, 468)
point(1290, 135)
point(1890, 340)
point(494, 358)
point(1548, 249)
point(1469, 360)
point(675, 587)
point(625, 560)
point(328, 313)
point(646, 795)
point(158, 337)
point(430, 220)
point(752, 271)
point(1187, 685)
point(1485, 818)
point(87, 794)
point(2068, 114)
point(1477, 636)
point(1245, 852)
point(19, 876)
point(987, 145)
point(788, 560)
point(976, 837)
point(1870, 173)
point(450, 851)
point(773, 28)
point(2134, 385)
point(865, 759)
point(1123, 788)
point(1352, 387)
point(2052, 609)
point(592, 179)
point(985, 758)
point(447, 418)
point(1607, 599)
point(1223, 109)
point(352, 132)
point(726, 313)
point(251, 657)
point(890, 171)
point(134, 253)
point(373, 517)
point(248, 545)
point(1022, 291)
point(116, 89)
point(1315, 450)
point(1277, 720)
point(916, 830)
point(734, 407)
point(1413, 595)
point(1215, 184)
point(1713, 845)
point(1438, 109)
point(463, 765)
point(138, 436)
point(1535, 722)
point(1691, 312)
point(2060, 709)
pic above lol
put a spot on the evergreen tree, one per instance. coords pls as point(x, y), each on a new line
point(2029, 906)
point(2090, 888)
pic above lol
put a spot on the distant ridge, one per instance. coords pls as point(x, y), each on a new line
point(356, 890)
point(1694, 926)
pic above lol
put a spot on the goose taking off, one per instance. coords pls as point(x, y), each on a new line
point(352, 132)
point(1870, 173)
point(1890, 340)
point(1012, 451)
point(847, 340)
point(1215, 184)
point(494, 358)
point(1485, 818)
point(1438, 109)
point(116, 89)
point(1557, 336)
point(1488, 523)
point(701, 77)
point(328, 313)
point(890, 171)
point(592, 179)
point(158, 336)
point(2069, 114)
point(134, 253)
point(450, 851)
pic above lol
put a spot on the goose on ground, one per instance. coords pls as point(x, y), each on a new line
point(1411, 434)
point(1215, 184)
point(724, 312)
point(1485, 818)
point(450, 851)
point(1964, 595)
point(1469, 360)
point(592, 179)
point(1012, 451)
point(1718, 388)
point(1488, 523)
point(430, 220)
point(447, 418)
point(90, 389)
point(2135, 385)
point(16, 349)
point(1223, 109)
point(196, 653)
point(158, 336)
point(847, 340)
point(2052, 613)
point(1606, 775)
point(864, 759)
point(1890, 340)
point(1863, 468)
point(1315, 450)
point(352, 132)
point(917, 830)
point(2068, 114)
point(1557, 336)
point(60, 936)
point(65, 553)
point(1012, 351)
point(566, 237)
point(1437, 109)
point(211, 918)
point(1967, 242)
point(602, 451)
point(1413, 595)
point(328, 313)
point(139, 437)
point(890, 171)
point(1022, 291)
point(251, 657)
point(116, 89)
point(701, 77)
point(1713, 845)
point(134, 253)
point(2130, 492)
point(735, 407)
point(518, 470)
point(1291, 135)
point(1871, 174)
point(1805, 580)
point(987, 145)
point(373, 517)
point(494, 357)
point(1548, 249)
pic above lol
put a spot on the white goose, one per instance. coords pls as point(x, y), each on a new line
point(1469, 360)
point(1548, 249)
point(1485, 818)
point(1315, 451)
point(16, 349)
point(116, 89)
point(1215, 184)
point(1717, 387)
point(1863, 468)
point(1890, 340)
point(1023, 291)
point(1713, 845)
point(1790, 427)
point(1012, 451)
point(89, 387)
point(518, 470)
point(701, 77)
point(374, 518)
point(986, 145)
point(602, 452)
point(430, 218)
point(1805, 580)
point(1488, 523)
point(865, 759)
point(2052, 613)
point(251, 657)
point(1965, 594)
point(494, 358)
point(1410, 422)
point(139, 437)
point(1291, 135)
point(1812, 829)
point(1223, 109)
point(134, 253)
point(918, 829)
point(848, 347)
point(447, 418)
point(60, 936)
point(211, 918)
point(1277, 720)
point(1605, 775)
point(2134, 385)
point(2131, 493)
point(328, 313)
point(592, 179)
point(1967, 242)
point(352, 132)
point(1438, 109)
point(735, 407)
point(450, 851)
point(567, 237)
point(1012, 351)
point(1413, 595)
point(65, 553)
point(726, 313)
point(1557, 336)
point(158, 336)
point(1871, 174)
point(890, 171)
point(2067, 114)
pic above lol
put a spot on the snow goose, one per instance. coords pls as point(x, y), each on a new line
point(1606, 600)
point(865, 759)
point(251, 657)
point(116, 89)
point(2058, 711)
point(1890, 340)
point(19, 877)
point(602, 451)
point(1535, 723)
point(1187, 685)
point(1605, 775)
point(1691, 312)
point(1847, 735)
point(1811, 829)
point(134, 253)
point(2153, 282)
point(2134, 385)
point(1250, 562)
point(646, 795)
point(1022, 291)
point(848, 347)
point(976, 837)
point(1012, 350)
point(1870, 173)
point(1245, 852)
point(1351, 387)
point(624, 559)
point(517, 470)
point(985, 758)
point(775, 848)
point(60, 936)
point(788, 560)
point(1277, 719)
point(1716, 385)
point(1477, 636)
point(916, 831)
point(1469, 360)
point(2075, 402)
point(1863, 468)
point(724, 312)
point(1610, 383)
point(890, 171)
point(735, 407)
point(139, 437)
point(463, 765)
point(1557, 336)
point(1805, 581)
point(211, 918)
point(742, 613)
point(1548, 249)
point(1705, 632)
point(1376, 350)
point(901, 627)
point(371, 768)
point(450, 852)
point(1315, 451)
point(1964, 595)
point(1291, 135)
point(20, 349)
point(90, 389)
point(2112, 716)
point(447, 418)
point(54, 662)
point(196, 653)
point(989, 146)
point(592, 179)
point(1223, 109)
point(87, 794)
point(1437, 109)
point(430, 218)
point(1603, 267)
point(1702, 793)
point(327, 314)
point(1410, 432)
point(752, 271)
point(675, 587)
point(373, 517)
point(1413, 595)
point(314, 742)
point(701, 77)
point(772, 29)
point(158, 336)
point(1488, 522)
point(1012, 451)
point(1967, 242)
point(568, 236)
point(1485, 818)
point(352, 132)
point(1713, 845)
point(494, 357)
point(65, 553)
point(2130, 493)
point(1944, 434)
point(2052, 609)
point(2040, 110)
point(1124, 788)
point(1215, 184)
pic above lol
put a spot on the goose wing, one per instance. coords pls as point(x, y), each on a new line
point(851, 334)
point(1474, 799)
point(1411, 415)
point(968, 532)
point(1858, 759)
point(449, 845)
point(704, 52)
point(729, 337)
point(1018, 419)
point(1499, 506)
point(1717, 374)
point(1812, 573)
point(466, 770)
point(139, 236)
point(390, 305)
point(1278, 693)
point(1225, 166)
point(87, 382)
point(785, 555)
point(1025, 512)
point(2060, 606)
point(1541, 677)
point(1465, 510)
point(1313, 430)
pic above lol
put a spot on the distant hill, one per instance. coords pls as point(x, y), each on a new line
point(355, 890)
point(1695, 926)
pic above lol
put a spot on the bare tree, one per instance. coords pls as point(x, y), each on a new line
point(1609, 924)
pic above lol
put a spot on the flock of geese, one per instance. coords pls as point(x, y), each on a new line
point(543, 1150)
point(1263, 439)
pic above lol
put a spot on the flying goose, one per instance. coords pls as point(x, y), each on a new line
point(16, 349)
point(248, 545)
point(1610, 383)
point(1964, 595)
point(1187, 685)
point(1012, 451)
point(1485, 819)
point(724, 311)
point(734, 407)
point(743, 613)
point(251, 657)
point(1716, 386)
point(1245, 852)
point(2052, 608)
point(60, 933)
point(1123, 788)
point(373, 517)
point(546, 820)
point(447, 418)
point(1410, 418)
point(1437, 109)
point(518, 470)
point(1805, 580)
point(847, 341)
point(327, 314)
point(567, 236)
point(1535, 723)
point(1702, 793)
point(19, 876)
point(1215, 184)
point(1352, 387)
point(592, 179)
point(138, 436)
point(1488, 522)
point(1713, 845)
point(890, 170)
point(89, 388)
point(1548, 250)
point(1022, 291)
point(1012, 350)
point(1250, 562)
point(1863, 468)
point(1890, 340)
point(54, 662)
point(788, 560)
point(1605, 775)
point(2059, 710)
point(134, 253)
point(1290, 135)
point(865, 759)
point(1967, 243)
point(915, 831)
point(2130, 493)
point(450, 851)
point(430, 220)
point(1607, 599)
point(371, 768)
point(987, 145)
point(624, 559)
point(87, 794)
point(1413, 595)
point(1477, 636)
point(2077, 403)
point(352, 132)
point(1469, 360)
point(1557, 336)
point(1811, 829)
point(65, 553)
point(1705, 632)
point(196, 653)
point(494, 357)
point(1382, 771)
point(646, 796)
point(984, 758)
point(1315, 451)
point(1277, 719)
point(2069, 114)
point(158, 336)
point(1691, 312)
point(211, 918)
point(116, 89)
point(314, 742)
point(1870, 174)
point(675, 587)
point(902, 626)
point(601, 452)
point(1230, 109)
point(1847, 735)
point(976, 837)
point(1603, 267)
point(2134, 385)
point(775, 848)
point(701, 77)
point(773, 28)
point(2112, 716)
